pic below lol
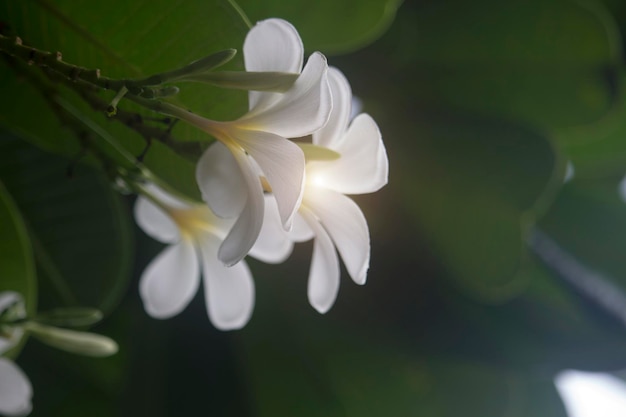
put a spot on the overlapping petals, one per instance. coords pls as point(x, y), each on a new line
point(257, 140)
point(337, 223)
point(171, 280)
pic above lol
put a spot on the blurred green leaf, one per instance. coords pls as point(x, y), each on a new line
point(70, 317)
point(72, 341)
point(553, 64)
point(474, 186)
point(78, 226)
point(307, 371)
point(598, 150)
point(329, 26)
point(17, 266)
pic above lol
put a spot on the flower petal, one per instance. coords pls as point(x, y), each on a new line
point(346, 225)
point(301, 110)
point(229, 291)
point(221, 183)
point(363, 166)
point(340, 114)
point(155, 222)
point(272, 45)
point(273, 244)
point(282, 163)
point(246, 229)
point(170, 281)
point(323, 284)
point(15, 390)
point(301, 231)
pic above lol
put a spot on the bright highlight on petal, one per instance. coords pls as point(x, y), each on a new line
point(258, 140)
point(335, 220)
point(363, 166)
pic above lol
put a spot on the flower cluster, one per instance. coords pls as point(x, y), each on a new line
point(263, 191)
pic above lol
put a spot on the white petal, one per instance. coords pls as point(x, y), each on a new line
point(340, 114)
point(220, 181)
point(273, 244)
point(363, 166)
point(300, 111)
point(346, 225)
point(323, 284)
point(246, 229)
point(301, 231)
point(282, 163)
point(272, 45)
point(155, 222)
point(15, 390)
point(229, 291)
point(170, 281)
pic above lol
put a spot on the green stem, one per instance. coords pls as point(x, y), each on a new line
point(241, 13)
point(168, 109)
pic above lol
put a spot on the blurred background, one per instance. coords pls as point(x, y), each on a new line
point(497, 247)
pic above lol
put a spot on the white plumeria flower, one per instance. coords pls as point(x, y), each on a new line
point(194, 235)
point(257, 140)
point(334, 219)
point(15, 388)
point(325, 213)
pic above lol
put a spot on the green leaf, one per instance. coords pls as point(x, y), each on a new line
point(474, 186)
point(552, 64)
point(17, 266)
point(70, 317)
point(331, 371)
point(72, 341)
point(78, 226)
point(588, 220)
point(598, 150)
point(329, 26)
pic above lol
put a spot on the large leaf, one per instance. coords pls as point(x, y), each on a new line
point(329, 26)
point(552, 64)
point(474, 186)
point(589, 221)
point(598, 150)
point(307, 371)
point(78, 226)
point(17, 266)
